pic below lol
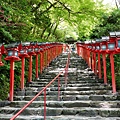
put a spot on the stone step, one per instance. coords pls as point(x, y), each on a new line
point(68, 88)
point(71, 98)
point(86, 88)
point(40, 98)
point(60, 117)
point(69, 81)
point(39, 84)
point(98, 92)
point(73, 80)
point(69, 104)
point(91, 97)
point(81, 112)
point(69, 84)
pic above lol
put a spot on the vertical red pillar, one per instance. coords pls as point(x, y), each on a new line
point(48, 56)
point(99, 66)
point(92, 61)
point(30, 69)
point(2, 51)
point(89, 59)
point(37, 66)
point(22, 74)
point(58, 88)
point(41, 62)
point(95, 64)
point(113, 73)
point(23, 54)
point(45, 104)
point(1, 64)
point(78, 49)
point(104, 67)
point(11, 80)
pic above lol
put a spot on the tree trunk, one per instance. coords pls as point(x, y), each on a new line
point(45, 30)
point(50, 31)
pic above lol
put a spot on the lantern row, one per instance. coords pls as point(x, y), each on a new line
point(91, 51)
point(21, 50)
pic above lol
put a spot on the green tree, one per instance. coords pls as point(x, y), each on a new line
point(45, 20)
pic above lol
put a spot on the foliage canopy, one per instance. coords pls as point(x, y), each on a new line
point(43, 20)
point(52, 20)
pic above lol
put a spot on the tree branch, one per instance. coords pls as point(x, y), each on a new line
point(65, 7)
point(52, 5)
point(45, 30)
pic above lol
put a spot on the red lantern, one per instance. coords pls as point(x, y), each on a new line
point(23, 54)
point(12, 50)
point(103, 48)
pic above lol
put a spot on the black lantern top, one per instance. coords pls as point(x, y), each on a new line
point(117, 34)
point(25, 43)
point(112, 34)
point(33, 43)
point(105, 38)
point(12, 45)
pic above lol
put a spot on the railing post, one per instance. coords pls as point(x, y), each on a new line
point(104, 67)
point(22, 73)
point(45, 104)
point(48, 56)
point(95, 68)
point(41, 62)
point(65, 77)
point(1, 63)
point(58, 88)
point(113, 73)
point(99, 66)
point(30, 69)
point(92, 61)
point(37, 66)
point(88, 58)
point(2, 51)
point(11, 80)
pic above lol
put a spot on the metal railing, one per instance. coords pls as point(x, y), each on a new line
point(19, 51)
point(93, 51)
point(65, 71)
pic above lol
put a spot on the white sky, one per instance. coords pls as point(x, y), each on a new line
point(111, 2)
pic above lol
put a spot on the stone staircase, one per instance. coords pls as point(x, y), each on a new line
point(84, 98)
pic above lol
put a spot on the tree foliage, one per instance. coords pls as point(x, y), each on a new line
point(26, 20)
point(109, 22)
point(51, 20)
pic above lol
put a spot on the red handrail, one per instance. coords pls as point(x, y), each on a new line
point(44, 90)
point(66, 69)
